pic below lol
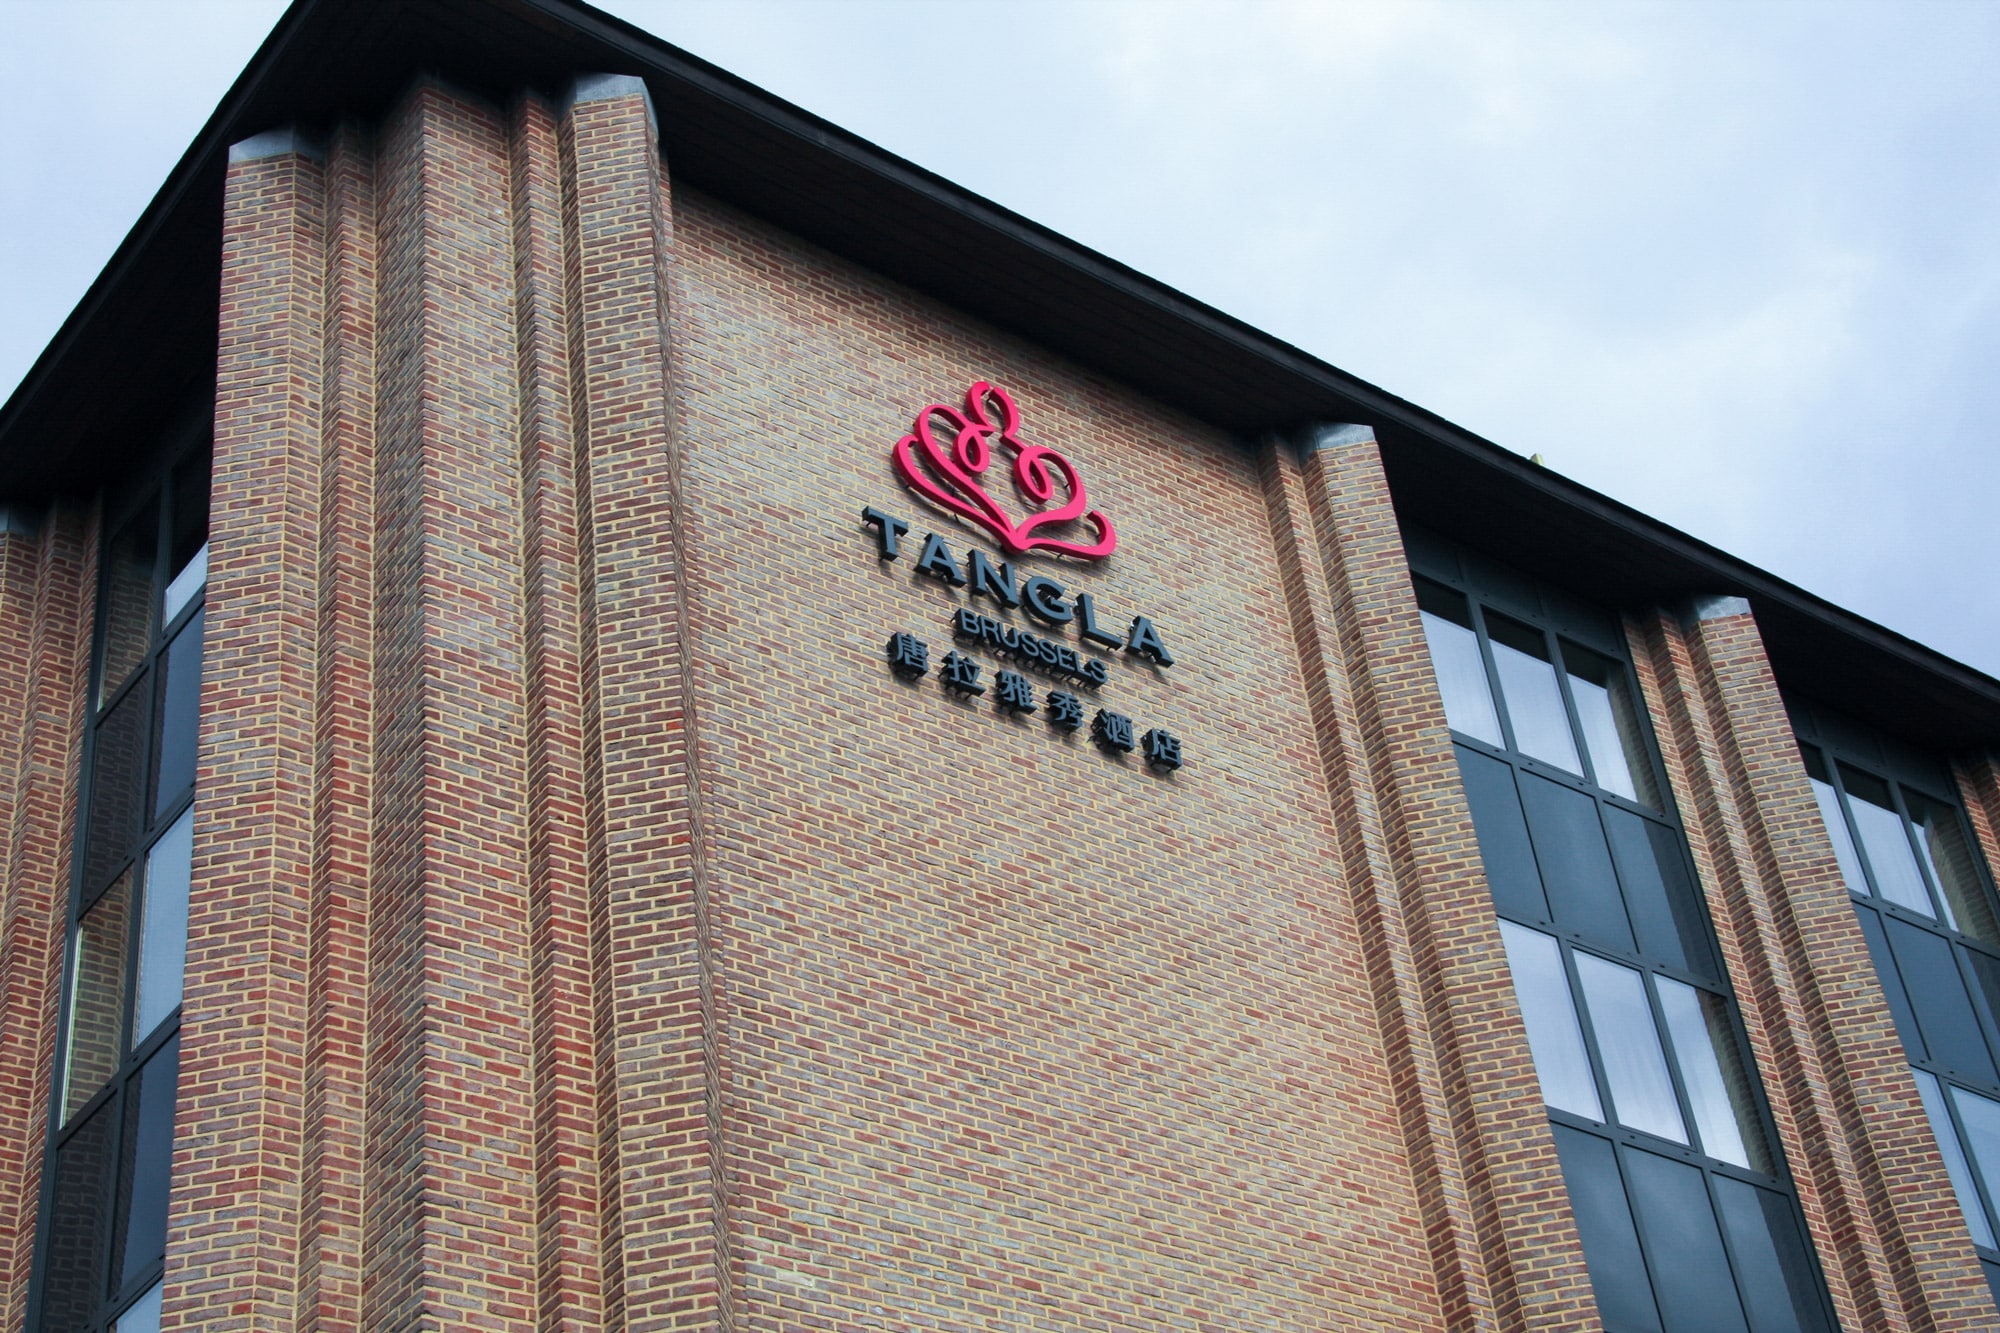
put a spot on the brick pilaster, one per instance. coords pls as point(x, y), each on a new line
point(569, 1233)
point(449, 1187)
point(46, 587)
point(1502, 1241)
point(337, 976)
point(1870, 1181)
point(237, 1137)
point(662, 1167)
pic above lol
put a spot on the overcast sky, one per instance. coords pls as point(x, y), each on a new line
point(1735, 264)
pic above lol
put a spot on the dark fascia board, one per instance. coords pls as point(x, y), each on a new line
point(328, 60)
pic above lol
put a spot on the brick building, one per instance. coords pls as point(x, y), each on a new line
point(548, 783)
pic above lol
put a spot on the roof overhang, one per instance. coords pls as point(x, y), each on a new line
point(63, 430)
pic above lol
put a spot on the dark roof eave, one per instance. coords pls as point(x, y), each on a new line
point(332, 58)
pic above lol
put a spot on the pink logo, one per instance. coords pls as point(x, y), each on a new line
point(947, 474)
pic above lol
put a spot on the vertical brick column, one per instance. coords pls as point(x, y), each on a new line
point(46, 595)
point(665, 1263)
point(1870, 1181)
point(1502, 1241)
point(234, 1216)
point(568, 1232)
point(449, 1191)
point(337, 967)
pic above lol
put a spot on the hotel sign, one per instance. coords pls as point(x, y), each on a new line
point(946, 459)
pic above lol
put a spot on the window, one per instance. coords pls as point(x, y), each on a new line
point(1687, 1216)
point(1926, 909)
point(104, 1202)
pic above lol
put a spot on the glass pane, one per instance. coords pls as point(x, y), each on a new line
point(1503, 836)
point(1604, 1221)
point(73, 1260)
point(1576, 863)
point(1628, 1045)
point(1942, 844)
point(191, 579)
point(1955, 1164)
point(1937, 993)
point(1610, 721)
point(140, 1235)
point(1683, 1245)
point(1714, 1074)
point(127, 612)
point(1461, 676)
point(1665, 908)
point(142, 1315)
point(1780, 1289)
point(163, 935)
point(180, 708)
point(1981, 1118)
point(1554, 1037)
point(1842, 838)
point(190, 512)
point(1891, 977)
point(97, 994)
point(1534, 701)
point(117, 775)
point(1890, 854)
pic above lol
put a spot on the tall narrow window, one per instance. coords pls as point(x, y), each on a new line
point(1687, 1216)
point(1927, 911)
point(106, 1180)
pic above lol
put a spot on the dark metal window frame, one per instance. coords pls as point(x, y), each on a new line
point(1868, 899)
point(190, 443)
point(1623, 1138)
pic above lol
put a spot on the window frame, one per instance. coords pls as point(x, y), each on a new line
point(1477, 600)
point(1834, 757)
point(150, 823)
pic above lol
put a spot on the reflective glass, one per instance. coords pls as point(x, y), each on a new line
point(179, 712)
point(1981, 1118)
point(1554, 1036)
point(1774, 1273)
point(1461, 675)
point(1955, 1164)
point(142, 1315)
point(1575, 862)
point(1713, 1073)
point(73, 1253)
point(1937, 992)
point(1604, 1222)
point(1534, 700)
point(1509, 858)
point(1836, 822)
point(1891, 976)
point(1610, 722)
point(127, 610)
point(139, 1237)
point(1883, 838)
point(1659, 894)
point(1628, 1046)
point(1942, 845)
point(117, 776)
point(190, 513)
point(97, 994)
point(163, 933)
point(191, 579)
point(1690, 1267)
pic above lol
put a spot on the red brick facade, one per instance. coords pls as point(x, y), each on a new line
point(589, 930)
